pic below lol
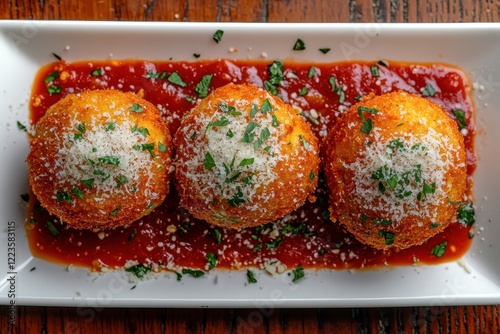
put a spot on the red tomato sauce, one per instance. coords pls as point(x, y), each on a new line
point(170, 238)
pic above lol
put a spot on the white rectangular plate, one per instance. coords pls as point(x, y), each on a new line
point(26, 45)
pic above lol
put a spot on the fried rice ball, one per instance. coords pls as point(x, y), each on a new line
point(100, 159)
point(244, 158)
point(395, 163)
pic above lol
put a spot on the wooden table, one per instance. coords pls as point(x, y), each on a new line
point(460, 319)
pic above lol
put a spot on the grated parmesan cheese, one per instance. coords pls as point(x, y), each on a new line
point(422, 156)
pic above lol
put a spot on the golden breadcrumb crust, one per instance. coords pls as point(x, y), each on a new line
point(387, 209)
point(91, 161)
point(230, 193)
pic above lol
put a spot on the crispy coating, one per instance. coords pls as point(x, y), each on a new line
point(244, 158)
point(394, 163)
point(100, 159)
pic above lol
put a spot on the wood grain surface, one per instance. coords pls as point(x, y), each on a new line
point(437, 319)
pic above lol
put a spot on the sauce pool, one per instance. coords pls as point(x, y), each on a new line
point(171, 239)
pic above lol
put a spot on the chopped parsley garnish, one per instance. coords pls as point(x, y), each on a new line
point(184, 228)
point(304, 142)
point(139, 270)
point(372, 111)
point(161, 147)
point(374, 71)
point(309, 118)
point(33, 269)
point(115, 211)
point(383, 63)
point(157, 75)
point(176, 79)
point(275, 122)
point(104, 175)
point(237, 198)
point(136, 108)
point(230, 110)
point(299, 45)
point(274, 244)
point(81, 128)
point(132, 235)
point(247, 135)
point(312, 72)
point(270, 88)
point(25, 197)
point(266, 107)
point(428, 90)
point(247, 180)
point(51, 77)
point(63, 196)
point(380, 221)
point(386, 174)
point(324, 50)
point(388, 237)
point(298, 273)
point(246, 162)
point(460, 115)
point(395, 144)
point(202, 87)
point(37, 208)
point(427, 189)
point(466, 214)
point(209, 161)
point(212, 261)
point(217, 236)
point(52, 228)
point(367, 123)
point(222, 122)
point(56, 56)
point(258, 247)
point(196, 55)
point(253, 111)
point(21, 126)
point(110, 126)
point(312, 175)
point(91, 162)
point(303, 91)
point(109, 160)
point(439, 249)
point(194, 273)
point(97, 72)
point(121, 180)
point(275, 71)
point(77, 192)
point(295, 229)
point(367, 126)
point(337, 89)
point(250, 276)
point(218, 36)
point(53, 89)
point(264, 135)
point(434, 225)
point(229, 133)
point(333, 82)
point(89, 183)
